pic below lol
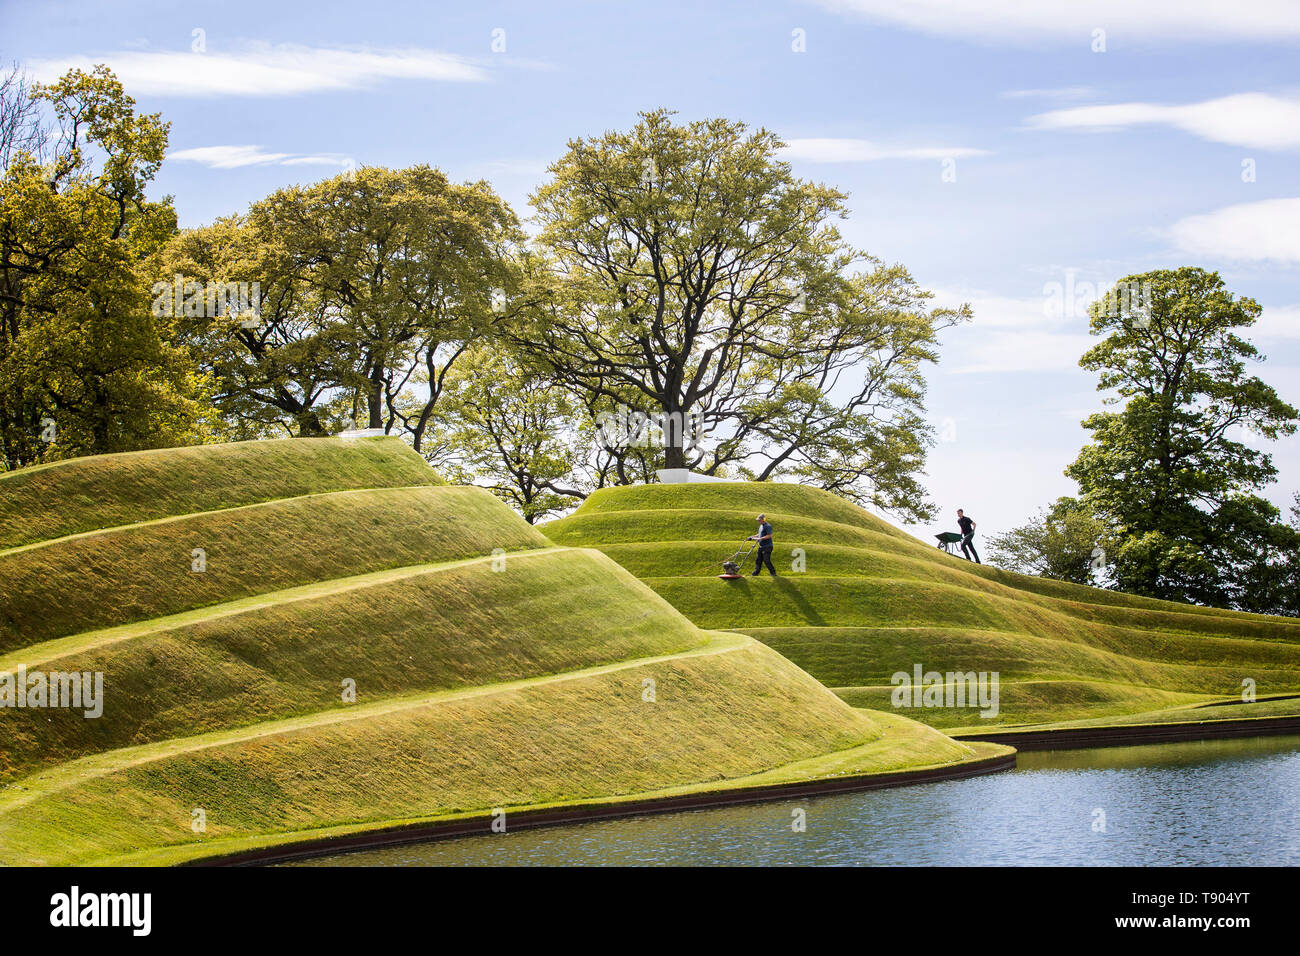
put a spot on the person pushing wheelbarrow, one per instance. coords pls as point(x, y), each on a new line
point(967, 536)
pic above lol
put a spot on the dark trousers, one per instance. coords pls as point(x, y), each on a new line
point(968, 546)
point(764, 557)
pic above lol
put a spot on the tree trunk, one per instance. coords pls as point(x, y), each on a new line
point(309, 424)
point(672, 427)
point(375, 400)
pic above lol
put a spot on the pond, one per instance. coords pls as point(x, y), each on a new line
point(1227, 802)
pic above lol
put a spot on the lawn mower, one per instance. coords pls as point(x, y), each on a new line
point(731, 567)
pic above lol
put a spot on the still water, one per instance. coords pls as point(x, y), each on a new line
point(1204, 802)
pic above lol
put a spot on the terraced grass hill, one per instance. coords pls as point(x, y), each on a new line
point(873, 601)
point(305, 638)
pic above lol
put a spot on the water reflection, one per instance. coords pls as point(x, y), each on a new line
point(1205, 803)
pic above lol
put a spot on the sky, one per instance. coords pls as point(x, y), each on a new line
point(1021, 157)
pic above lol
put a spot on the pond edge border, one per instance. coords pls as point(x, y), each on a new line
point(589, 812)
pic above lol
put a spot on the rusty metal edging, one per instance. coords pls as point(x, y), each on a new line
point(1074, 738)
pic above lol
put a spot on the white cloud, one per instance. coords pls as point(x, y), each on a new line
point(1262, 231)
point(1255, 120)
point(1055, 93)
point(1277, 322)
point(319, 159)
point(1019, 21)
point(1020, 350)
point(234, 157)
point(1000, 312)
point(1010, 334)
point(1062, 302)
point(1013, 334)
point(267, 70)
point(864, 151)
point(536, 168)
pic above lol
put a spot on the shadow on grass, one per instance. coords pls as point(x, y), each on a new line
point(791, 590)
point(754, 591)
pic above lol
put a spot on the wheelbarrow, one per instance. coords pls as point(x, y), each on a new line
point(947, 539)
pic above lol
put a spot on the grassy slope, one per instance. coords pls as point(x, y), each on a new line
point(491, 668)
point(83, 494)
point(287, 653)
point(873, 601)
point(730, 709)
point(140, 571)
point(903, 745)
point(1233, 709)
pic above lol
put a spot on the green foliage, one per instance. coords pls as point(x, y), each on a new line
point(84, 366)
point(511, 430)
point(1059, 542)
point(369, 286)
point(687, 272)
point(1165, 471)
point(682, 276)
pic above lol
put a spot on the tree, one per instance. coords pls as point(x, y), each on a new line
point(1279, 591)
point(687, 276)
point(21, 129)
point(508, 428)
point(1060, 542)
point(846, 411)
point(84, 366)
point(275, 369)
point(1165, 471)
point(369, 286)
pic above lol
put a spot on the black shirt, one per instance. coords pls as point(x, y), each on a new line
point(764, 530)
point(967, 526)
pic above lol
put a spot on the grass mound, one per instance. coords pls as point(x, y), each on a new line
point(137, 572)
point(731, 709)
point(352, 657)
point(84, 494)
point(396, 633)
point(859, 601)
point(749, 497)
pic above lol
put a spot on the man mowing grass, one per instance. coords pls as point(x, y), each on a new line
point(764, 539)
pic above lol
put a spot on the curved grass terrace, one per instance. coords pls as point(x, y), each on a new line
point(368, 649)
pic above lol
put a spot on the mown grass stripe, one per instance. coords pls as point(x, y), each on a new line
point(78, 771)
point(188, 516)
point(868, 598)
point(48, 651)
point(85, 494)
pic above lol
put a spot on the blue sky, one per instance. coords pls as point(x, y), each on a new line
point(1079, 156)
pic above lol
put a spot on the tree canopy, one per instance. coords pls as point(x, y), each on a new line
point(509, 428)
point(681, 281)
point(368, 283)
point(85, 367)
point(685, 274)
point(1168, 471)
point(1064, 541)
